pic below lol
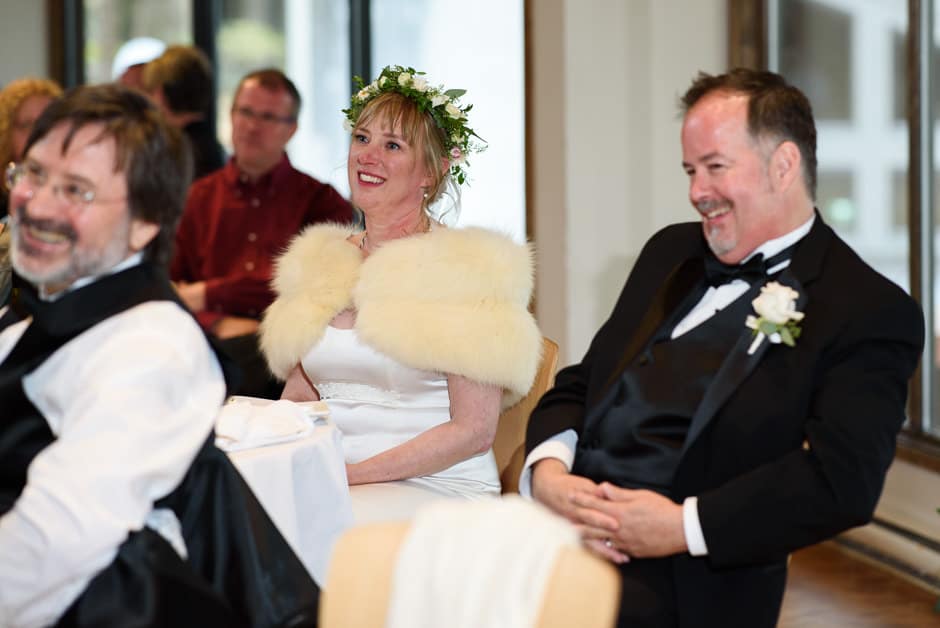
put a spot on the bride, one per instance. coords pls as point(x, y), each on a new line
point(416, 335)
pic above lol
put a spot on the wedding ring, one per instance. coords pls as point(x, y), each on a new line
point(609, 543)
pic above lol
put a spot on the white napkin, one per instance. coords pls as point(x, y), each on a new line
point(246, 422)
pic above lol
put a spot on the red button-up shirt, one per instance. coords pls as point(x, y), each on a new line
point(232, 229)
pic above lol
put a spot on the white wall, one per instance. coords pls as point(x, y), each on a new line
point(22, 40)
point(606, 76)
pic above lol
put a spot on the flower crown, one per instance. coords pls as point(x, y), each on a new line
point(442, 104)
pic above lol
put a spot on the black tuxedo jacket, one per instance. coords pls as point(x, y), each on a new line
point(789, 445)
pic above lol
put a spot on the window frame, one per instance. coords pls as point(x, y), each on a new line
point(749, 46)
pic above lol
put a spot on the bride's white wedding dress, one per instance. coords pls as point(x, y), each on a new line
point(378, 403)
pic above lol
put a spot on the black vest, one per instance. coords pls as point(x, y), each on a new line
point(239, 570)
point(635, 441)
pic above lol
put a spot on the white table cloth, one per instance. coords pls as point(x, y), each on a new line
point(302, 485)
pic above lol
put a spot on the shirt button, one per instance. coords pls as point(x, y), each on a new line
point(255, 202)
point(252, 236)
point(249, 265)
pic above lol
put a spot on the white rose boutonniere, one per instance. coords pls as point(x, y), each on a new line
point(777, 318)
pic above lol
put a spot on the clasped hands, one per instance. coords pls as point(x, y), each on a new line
point(614, 523)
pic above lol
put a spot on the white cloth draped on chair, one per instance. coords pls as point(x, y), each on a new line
point(470, 564)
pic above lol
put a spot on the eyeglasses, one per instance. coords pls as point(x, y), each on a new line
point(73, 192)
point(266, 118)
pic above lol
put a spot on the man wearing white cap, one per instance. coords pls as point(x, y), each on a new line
point(132, 56)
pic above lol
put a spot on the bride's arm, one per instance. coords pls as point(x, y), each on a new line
point(474, 413)
point(298, 386)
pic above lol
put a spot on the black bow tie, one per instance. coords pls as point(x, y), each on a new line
point(754, 269)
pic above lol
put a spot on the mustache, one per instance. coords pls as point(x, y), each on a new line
point(23, 219)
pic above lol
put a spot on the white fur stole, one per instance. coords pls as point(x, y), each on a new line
point(450, 300)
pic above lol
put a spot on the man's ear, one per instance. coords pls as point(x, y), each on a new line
point(142, 233)
point(786, 165)
point(293, 129)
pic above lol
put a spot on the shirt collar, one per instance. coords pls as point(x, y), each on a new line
point(234, 177)
point(81, 282)
point(772, 247)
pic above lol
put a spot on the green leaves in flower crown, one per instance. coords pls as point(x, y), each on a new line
point(442, 105)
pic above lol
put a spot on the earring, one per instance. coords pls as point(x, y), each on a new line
point(425, 195)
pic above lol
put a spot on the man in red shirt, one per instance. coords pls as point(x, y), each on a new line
point(239, 218)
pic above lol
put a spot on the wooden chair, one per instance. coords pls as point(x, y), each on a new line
point(582, 590)
point(509, 445)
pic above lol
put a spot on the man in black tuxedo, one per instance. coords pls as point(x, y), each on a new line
point(693, 454)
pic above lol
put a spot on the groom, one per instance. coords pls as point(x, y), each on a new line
point(691, 455)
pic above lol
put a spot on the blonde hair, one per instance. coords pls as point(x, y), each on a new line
point(11, 98)
point(419, 130)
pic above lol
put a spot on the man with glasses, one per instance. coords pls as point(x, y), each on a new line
point(116, 509)
point(238, 218)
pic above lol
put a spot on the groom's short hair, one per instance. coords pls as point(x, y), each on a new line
point(775, 110)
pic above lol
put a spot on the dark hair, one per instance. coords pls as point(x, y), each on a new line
point(185, 75)
point(152, 154)
point(775, 109)
point(273, 80)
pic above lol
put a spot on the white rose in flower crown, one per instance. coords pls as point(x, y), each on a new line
point(455, 138)
point(420, 84)
point(363, 94)
point(403, 79)
point(347, 125)
point(383, 81)
point(777, 304)
point(453, 111)
point(438, 99)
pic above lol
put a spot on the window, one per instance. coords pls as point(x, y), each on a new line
point(309, 41)
point(850, 57)
point(432, 36)
point(110, 23)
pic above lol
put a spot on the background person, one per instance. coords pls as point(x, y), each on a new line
point(127, 68)
point(238, 218)
point(180, 82)
point(21, 102)
point(693, 454)
point(415, 334)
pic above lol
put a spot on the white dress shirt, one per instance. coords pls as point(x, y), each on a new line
point(130, 401)
point(562, 446)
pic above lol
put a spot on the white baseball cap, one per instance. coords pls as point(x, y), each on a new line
point(134, 52)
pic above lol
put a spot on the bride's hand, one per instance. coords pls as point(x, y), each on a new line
point(298, 387)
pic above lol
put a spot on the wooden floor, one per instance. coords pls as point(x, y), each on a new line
point(829, 587)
